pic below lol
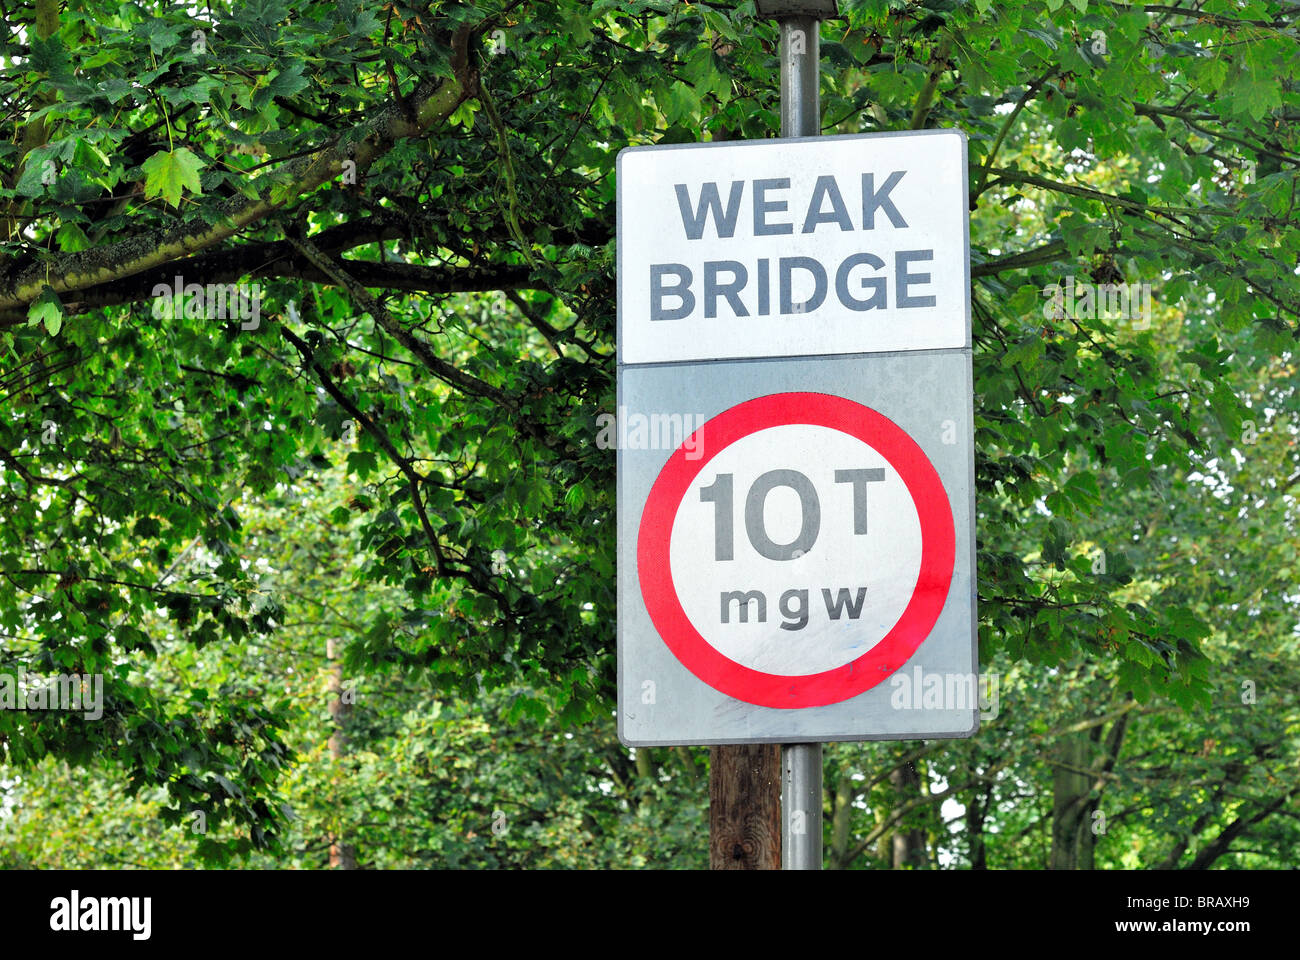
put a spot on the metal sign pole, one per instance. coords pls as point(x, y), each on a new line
point(800, 64)
point(801, 806)
point(801, 763)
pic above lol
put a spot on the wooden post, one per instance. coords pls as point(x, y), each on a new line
point(745, 807)
point(343, 856)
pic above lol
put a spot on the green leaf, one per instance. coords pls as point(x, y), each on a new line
point(167, 174)
point(40, 170)
point(287, 82)
point(704, 71)
point(579, 25)
point(71, 238)
point(200, 91)
point(50, 57)
point(363, 462)
point(1255, 93)
point(682, 105)
point(47, 309)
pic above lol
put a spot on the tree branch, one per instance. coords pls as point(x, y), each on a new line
point(66, 272)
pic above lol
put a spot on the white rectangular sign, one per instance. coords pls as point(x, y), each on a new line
point(793, 247)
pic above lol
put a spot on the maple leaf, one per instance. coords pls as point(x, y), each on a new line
point(167, 173)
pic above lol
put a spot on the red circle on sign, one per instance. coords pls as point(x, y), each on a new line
point(938, 550)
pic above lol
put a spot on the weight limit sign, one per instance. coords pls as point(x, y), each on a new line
point(796, 557)
point(806, 584)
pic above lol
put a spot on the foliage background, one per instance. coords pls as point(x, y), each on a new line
point(349, 571)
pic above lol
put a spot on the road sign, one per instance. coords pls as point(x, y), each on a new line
point(814, 245)
point(909, 511)
point(795, 534)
